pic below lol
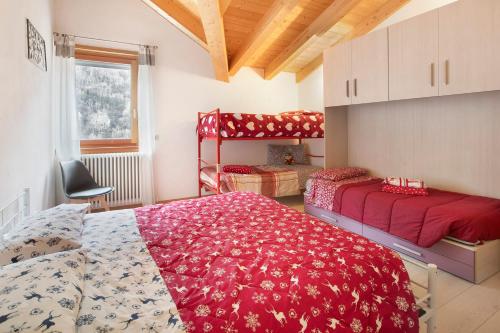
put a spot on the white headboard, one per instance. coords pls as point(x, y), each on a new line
point(14, 212)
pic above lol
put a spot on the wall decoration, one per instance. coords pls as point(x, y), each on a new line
point(36, 46)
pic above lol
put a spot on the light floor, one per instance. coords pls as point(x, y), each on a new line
point(463, 307)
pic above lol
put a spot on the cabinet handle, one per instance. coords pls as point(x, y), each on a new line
point(432, 75)
point(347, 88)
point(356, 87)
point(447, 72)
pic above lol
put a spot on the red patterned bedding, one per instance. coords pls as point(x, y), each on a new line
point(271, 181)
point(321, 192)
point(241, 262)
point(243, 125)
point(422, 220)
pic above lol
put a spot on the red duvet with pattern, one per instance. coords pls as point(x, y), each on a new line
point(245, 125)
point(422, 220)
point(241, 262)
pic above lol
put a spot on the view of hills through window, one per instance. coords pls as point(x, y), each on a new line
point(103, 100)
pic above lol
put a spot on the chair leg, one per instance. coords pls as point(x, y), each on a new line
point(80, 201)
point(104, 203)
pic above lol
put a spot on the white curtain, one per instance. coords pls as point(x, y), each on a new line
point(146, 124)
point(66, 133)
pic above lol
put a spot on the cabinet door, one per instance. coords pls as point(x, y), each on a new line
point(413, 57)
point(370, 72)
point(469, 35)
point(337, 75)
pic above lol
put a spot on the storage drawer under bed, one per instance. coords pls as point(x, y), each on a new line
point(472, 263)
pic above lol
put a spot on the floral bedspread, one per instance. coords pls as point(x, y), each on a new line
point(241, 262)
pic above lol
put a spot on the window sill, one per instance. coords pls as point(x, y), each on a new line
point(107, 146)
point(109, 150)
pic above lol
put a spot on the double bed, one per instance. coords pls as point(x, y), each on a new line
point(238, 262)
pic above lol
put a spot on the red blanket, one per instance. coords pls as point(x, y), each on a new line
point(423, 220)
point(241, 262)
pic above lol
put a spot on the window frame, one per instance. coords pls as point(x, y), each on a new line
point(101, 54)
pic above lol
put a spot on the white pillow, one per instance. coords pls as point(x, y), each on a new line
point(81, 209)
point(42, 294)
point(54, 230)
point(77, 208)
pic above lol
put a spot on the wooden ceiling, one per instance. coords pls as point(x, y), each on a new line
point(274, 35)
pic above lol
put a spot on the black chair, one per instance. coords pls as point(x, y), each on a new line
point(80, 187)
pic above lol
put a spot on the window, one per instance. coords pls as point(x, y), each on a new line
point(106, 100)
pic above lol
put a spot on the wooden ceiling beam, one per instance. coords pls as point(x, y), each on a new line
point(364, 27)
point(379, 16)
point(213, 24)
point(309, 68)
point(327, 19)
point(181, 18)
point(275, 17)
point(224, 5)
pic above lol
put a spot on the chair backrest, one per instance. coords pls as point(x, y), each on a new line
point(76, 177)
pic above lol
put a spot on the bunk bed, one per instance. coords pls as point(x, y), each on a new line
point(221, 127)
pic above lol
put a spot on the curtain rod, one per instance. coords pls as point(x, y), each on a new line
point(104, 40)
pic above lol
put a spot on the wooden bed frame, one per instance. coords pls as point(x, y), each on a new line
point(19, 209)
point(474, 263)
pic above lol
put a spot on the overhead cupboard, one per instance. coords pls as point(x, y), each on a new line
point(355, 72)
point(451, 50)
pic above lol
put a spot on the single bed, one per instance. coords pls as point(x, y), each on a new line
point(459, 232)
point(238, 262)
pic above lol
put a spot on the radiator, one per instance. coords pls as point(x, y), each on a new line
point(121, 171)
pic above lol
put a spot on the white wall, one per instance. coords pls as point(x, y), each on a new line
point(26, 150)
point(184, 84)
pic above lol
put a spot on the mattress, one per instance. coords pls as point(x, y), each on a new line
point(243, 125)
point(422, 220)
point(269, 180)
point(241, 262)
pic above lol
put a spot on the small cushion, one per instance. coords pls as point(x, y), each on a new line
point(276, 154)
point(81, 209)
point(338, 174)
point(408, 182)
point(240, 169)
point(288, 159)
point(54, 230)
point(42, 294)
point(404, 190)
